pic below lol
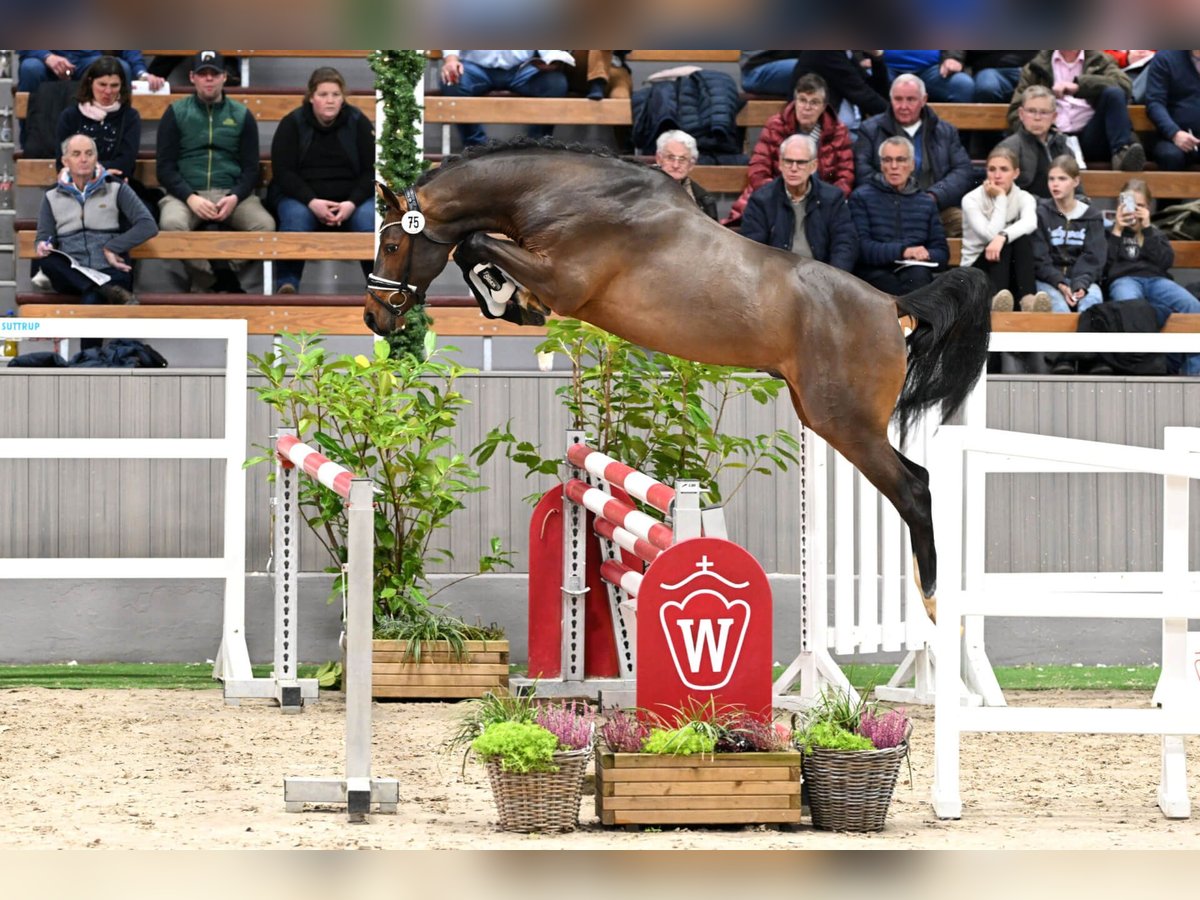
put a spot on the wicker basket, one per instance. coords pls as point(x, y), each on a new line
point(540, 801)
point(849, 790)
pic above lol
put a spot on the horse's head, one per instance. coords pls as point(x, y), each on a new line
point(409, 258)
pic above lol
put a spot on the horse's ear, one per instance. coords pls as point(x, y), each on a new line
point(388, 197)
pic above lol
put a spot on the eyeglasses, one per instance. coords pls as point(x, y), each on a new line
point(810, 103)
point(1037, 113)
point(678, 160)
point(893, 160)
point(794, 163)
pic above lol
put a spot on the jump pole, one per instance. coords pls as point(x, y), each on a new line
point(358, 790)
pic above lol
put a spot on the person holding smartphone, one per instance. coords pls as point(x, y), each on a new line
point(1140, 258)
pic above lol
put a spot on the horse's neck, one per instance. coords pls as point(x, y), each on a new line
point(463, 202)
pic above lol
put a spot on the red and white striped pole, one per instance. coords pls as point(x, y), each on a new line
point(626, 540)
point(622, 576)
point(628, 479)
point(605, 506)
point(316, 465)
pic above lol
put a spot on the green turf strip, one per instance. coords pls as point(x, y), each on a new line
point(187, 676)
point(198, 676)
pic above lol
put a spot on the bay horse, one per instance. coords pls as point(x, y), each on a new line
point(622, 246)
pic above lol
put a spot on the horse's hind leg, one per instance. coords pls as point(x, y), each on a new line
point(906, 486)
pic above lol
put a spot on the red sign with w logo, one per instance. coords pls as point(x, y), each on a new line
point(704, 630)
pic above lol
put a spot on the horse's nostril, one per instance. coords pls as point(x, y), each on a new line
point(369, 320)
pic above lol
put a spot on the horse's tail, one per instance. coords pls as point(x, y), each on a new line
point(948, 348)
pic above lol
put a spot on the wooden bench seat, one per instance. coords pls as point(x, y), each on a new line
point(345, 318)
point(1096, 182)
point(266, 104)
point(677, 56)
point(1187, 253)
point(261, 245)
point(272, 54)
point(511, 110)
point(343, 315)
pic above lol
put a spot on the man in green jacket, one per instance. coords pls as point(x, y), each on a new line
point(208, 165)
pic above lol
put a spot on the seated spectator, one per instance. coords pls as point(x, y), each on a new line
point(808, 113)
point(103, 112)
point(323, 160)
point(677, 155)
point(530, 73)
point(600, 73)
point(897, 222)
point(943, 168)
point(856, 83)
point(1036, 141)
point(1093, 103)
point(81, 217)
point(998, 219)
point(799, 212)
point(1139, 267)
point(1173, 105)
point(1134, 64)
point(994, 73)
point(1069, 248)
point(208, 164)
point(37, 66)
point(951, 86)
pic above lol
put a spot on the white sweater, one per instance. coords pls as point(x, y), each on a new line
point(984, 217)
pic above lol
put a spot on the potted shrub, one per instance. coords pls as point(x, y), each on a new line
point(706, 766)
point(536, 756)
point(852, 753)
point(390, 417)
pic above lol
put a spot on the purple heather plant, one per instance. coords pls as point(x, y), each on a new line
point(884, 731)
point(623, 731)
point(572, 722)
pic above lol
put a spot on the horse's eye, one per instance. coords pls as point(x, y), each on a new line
point(391, 248)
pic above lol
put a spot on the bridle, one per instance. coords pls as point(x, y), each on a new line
point(390, 287)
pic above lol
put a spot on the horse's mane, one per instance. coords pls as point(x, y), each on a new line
point(522, 144)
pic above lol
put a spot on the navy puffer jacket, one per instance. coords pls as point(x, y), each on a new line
point(769, 219)
point(890, 221)
point(704, 104)
point(945, 171)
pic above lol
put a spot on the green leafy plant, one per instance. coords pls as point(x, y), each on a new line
point(519, 746)
point(841, 721)
point(683, 741)
point(399, 160)
point(662, 415)
point(388, 417)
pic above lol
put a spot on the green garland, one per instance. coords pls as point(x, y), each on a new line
point(400, 160)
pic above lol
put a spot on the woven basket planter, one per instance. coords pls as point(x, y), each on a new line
point(441, 673)
point(850, 790)
point(540, 801)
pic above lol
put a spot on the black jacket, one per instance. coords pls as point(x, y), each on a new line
point(344, 169)
point(945, 170)
point(705, 104)
point(1152, 258)
point(769, 219)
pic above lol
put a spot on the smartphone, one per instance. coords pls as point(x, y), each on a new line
point(1128, 202)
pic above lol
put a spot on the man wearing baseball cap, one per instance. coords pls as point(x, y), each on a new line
point(208, 165)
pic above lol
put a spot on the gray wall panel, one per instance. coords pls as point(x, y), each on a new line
point(169, 508)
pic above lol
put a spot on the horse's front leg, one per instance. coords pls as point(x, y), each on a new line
point(539, 277)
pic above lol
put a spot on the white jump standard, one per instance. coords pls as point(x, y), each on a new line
point(358, 790)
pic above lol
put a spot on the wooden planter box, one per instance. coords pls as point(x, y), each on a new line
point(717, 789)
point(440, 674)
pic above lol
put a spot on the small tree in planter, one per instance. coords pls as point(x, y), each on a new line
point(388, 417)
point(704, 766)
point(662, 415)
point(852, 753)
